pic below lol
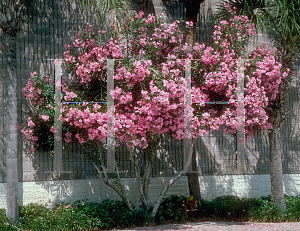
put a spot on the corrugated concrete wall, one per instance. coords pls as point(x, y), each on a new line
point(48, 25)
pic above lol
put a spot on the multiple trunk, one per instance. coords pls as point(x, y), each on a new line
point(143, 180)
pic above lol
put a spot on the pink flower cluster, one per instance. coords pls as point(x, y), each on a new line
point(90, 62)
point(33, 92)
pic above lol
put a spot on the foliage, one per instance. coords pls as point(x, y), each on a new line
point(143, 217)
point(104, 8)
point(38, 126)
point(31, 210)
point(40, 91)
point(254, 9)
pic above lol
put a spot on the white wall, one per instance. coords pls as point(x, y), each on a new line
point(68, 191)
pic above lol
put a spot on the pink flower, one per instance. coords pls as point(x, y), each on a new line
point(68, 140)
point(35, 138)
point(32, 149)
point(44, 117)
point(68, 134)
point(189, 24)
point(52, 129)
point(30, 123)
point(140, 15)
point(80, 139)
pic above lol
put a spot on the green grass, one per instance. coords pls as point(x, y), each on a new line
point(85, 215)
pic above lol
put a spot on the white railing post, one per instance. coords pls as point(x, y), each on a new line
point(240, 165)
point(110, 117)
point(57, 156)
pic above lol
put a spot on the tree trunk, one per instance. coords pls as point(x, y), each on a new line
point(193, 180)
point(159, 9)
point(192, 10)
point(277, 194)
point(172, 181)
point(11, 129)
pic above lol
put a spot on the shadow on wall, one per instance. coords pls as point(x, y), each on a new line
point(44, 29)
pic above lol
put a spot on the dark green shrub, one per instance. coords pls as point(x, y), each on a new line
point(206, 209)
point(229, 207)
point(171, 209)
point(232, 207)
point(119, 214)
point(33, 209)
point(266, 198)
point(107, 214)
point(266, 212)
point(143, 217)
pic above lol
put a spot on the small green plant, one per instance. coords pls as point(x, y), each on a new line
point(292, 212)
point(93, 211)
point(4, 222)
point(32, 215)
